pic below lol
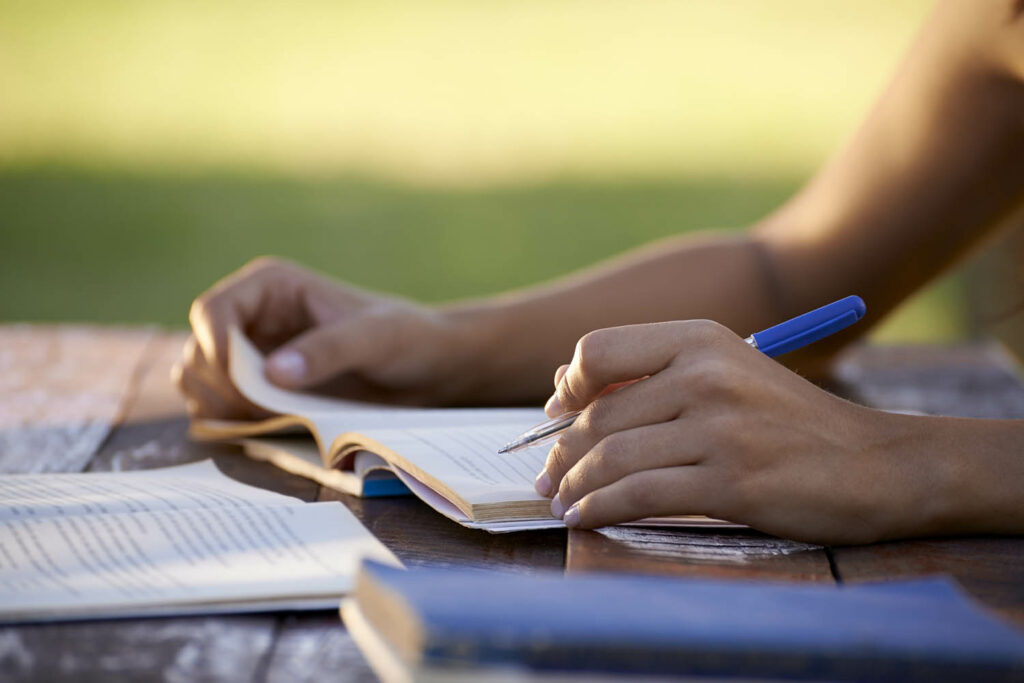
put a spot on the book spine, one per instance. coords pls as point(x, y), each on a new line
point(666, 659)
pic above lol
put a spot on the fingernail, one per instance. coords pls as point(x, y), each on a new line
point(288, 364)
point(572, 516)
point(543, 483)
point(553, 407)
point(556, 507)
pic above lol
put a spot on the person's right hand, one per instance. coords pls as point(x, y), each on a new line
point(320, 334)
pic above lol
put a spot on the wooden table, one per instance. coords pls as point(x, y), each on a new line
point(79, 398)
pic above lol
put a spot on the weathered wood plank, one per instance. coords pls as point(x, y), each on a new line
point(990, 569)
point(314, 647)
point(708, 553)
point(962, 381)
point(152, 433)
point(192, 649)
point(62, 388)
point(419, 536)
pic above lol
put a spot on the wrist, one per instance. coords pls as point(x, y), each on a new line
point(477, 338)
point(956, 476)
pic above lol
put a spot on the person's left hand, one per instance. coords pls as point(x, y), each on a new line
point(717, 428)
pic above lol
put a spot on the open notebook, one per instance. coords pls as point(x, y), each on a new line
point(446, 457)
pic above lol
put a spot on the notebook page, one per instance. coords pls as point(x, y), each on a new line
point(466, 459)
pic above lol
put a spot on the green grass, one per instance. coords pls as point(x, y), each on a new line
point(438, 150)
point(119, 247)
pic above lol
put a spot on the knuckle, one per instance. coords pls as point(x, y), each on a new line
point(705, 332)
point(263, 264)
point(573, 484)
point(190, 353)
point(608, 455)
point(593, 418)
point(199, 308)
point(590, 350)
point(560, 460)
point(714, 377)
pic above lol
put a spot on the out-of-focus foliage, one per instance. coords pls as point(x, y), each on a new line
point(438, 149)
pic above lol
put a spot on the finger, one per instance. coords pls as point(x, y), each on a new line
point(231, 302)
point(652, 401)
point(361, 341)
point(669, 444)
point(560, 373)
point(203, 402)
point(621, 354)
point(651, 493)
point(228, 401)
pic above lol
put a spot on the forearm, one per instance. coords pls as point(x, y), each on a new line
point(967, 475)
point(936, 166)
point(518, 339)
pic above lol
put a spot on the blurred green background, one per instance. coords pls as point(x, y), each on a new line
point(436, 149)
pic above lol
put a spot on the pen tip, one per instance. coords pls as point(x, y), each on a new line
point(503, 449)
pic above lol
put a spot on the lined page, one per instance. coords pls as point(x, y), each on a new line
point(466, 459)
point(196, 485)
point(111, 551)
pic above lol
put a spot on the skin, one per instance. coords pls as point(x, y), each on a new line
point(714, 427)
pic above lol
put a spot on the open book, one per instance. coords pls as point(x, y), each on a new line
point(447, 457)
point(177, 540)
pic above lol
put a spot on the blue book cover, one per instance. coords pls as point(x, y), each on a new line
point(922, 629)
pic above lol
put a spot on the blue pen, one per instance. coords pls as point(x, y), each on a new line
point(785, 337)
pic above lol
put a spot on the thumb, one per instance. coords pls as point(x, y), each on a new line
point(355, 343)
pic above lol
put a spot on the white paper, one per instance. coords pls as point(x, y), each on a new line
point(466, 459)
point(84, 544)
point(334, 416)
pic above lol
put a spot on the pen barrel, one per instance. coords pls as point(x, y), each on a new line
point(810, 327)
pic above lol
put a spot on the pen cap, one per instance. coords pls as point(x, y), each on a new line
point(810, 327)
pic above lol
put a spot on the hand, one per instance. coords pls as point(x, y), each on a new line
point(323, 335)
point(717, 428)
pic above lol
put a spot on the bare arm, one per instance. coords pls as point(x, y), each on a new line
point(937, 165)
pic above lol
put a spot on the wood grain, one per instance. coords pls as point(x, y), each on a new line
point(990, 569)
point(735, 553)
point(963, 381)
point(61, 391)
point(192, 649)
point(420, 536)
point(152, 432)
point(314, 647)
